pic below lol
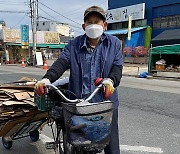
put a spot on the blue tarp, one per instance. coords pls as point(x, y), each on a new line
point(137, 39)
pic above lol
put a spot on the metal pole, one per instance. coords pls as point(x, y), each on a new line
point(34, 30)
point(129, 27)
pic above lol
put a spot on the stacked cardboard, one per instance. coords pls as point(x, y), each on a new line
point(15, 102)
point(17, 108)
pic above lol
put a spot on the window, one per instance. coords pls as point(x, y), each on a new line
point(165, 22)
point(178, 20)
point(114, 26)
point(172, 21)
point(157, 23)
point(144, 22)
point(43, 23)
point(125, 24)
point(119, 26)
point(137, 23)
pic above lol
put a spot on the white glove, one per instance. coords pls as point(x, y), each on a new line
point(40, 86)
point(108, 87)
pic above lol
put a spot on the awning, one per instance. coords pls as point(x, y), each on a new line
point(167, 37)
point(52, 46)
point(122, 31)
point(167, 49)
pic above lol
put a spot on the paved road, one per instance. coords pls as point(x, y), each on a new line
point(149, 116)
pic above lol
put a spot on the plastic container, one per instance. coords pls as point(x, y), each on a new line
point(160, 67)
point(44, 103)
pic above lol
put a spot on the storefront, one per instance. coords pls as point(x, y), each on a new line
point(15, 47)
point(135, 50)
point(129, 25)
point(164, 55)
point(158, 16)
point(49, 51)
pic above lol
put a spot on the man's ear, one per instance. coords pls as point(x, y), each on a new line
point(83, 26)
point(105, 25)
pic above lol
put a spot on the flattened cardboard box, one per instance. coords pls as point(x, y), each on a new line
point(29, 118)
point(22, 95)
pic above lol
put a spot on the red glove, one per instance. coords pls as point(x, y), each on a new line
point(108, 87)
point(98, 81)
point(40, 86)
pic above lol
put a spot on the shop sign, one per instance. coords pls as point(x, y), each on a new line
point(11, 35)
point(121, 14)
point(39, 58)
point(25, 36)
point(40, 37)
point(51, 38)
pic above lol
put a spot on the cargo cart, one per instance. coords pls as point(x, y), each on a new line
point(22, 127)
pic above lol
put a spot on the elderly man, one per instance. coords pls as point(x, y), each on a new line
point(94, 56)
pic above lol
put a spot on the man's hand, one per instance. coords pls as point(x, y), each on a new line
point(40, 86)
point(108, 87)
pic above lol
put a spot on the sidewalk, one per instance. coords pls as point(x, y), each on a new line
point(128, 69)
point(134, 69)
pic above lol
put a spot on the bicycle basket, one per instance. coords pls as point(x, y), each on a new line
point(88, 126)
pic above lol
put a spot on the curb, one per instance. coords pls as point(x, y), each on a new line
point(153, 77)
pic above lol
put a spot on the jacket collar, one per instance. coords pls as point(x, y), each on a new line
point(85, 41)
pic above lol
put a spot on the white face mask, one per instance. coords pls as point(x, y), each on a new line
point(94, 31)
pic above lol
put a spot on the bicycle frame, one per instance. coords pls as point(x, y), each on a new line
point(73, 150)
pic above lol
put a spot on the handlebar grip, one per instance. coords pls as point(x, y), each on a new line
point(73, 128)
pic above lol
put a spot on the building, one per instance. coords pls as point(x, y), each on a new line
point(2, 24)
point(61, 28)
point(160, 15)
point(149, 19)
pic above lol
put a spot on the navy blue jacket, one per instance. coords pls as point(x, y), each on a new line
point(72, 58)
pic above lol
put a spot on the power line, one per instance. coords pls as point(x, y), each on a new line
point(80, 8)
point(59, 13)
point(75, 11)
point(10, 2)
point(56, 21)
point(69, 24)
point(19, 22)
point(13, 11)
point(47, 13)
point(55, 18)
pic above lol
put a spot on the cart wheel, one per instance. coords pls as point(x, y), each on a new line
point(34, 135)
point(6, 144)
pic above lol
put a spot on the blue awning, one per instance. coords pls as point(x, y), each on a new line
point(122, 31)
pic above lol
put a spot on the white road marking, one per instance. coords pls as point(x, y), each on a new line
point(6, 73)
point(141, 149)
point(176, 135)
point(45, 138)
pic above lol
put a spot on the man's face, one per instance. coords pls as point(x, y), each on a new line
point(94, 18)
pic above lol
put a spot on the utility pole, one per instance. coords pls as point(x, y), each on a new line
point(34, 29)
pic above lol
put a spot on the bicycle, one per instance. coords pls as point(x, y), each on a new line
point(91, 134)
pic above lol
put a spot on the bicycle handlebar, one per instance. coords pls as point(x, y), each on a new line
point(51, 86)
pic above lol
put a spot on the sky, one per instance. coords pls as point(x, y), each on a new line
point(64, 11)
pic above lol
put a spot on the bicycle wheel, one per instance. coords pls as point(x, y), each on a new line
point(61, 145)
point(6, 144)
